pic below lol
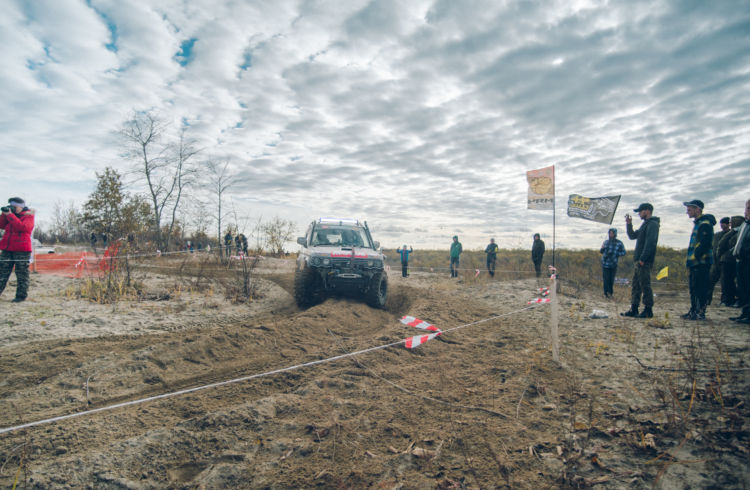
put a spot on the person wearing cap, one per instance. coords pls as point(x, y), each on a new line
point(404, 259)
point(18, 222)
point(741, 253)
point(537, 254)
point(456, 249)
point(646, 238)
point(612, 249)
point(491, 251)
point(728, 264)
point(716, 267)
point(699, 259)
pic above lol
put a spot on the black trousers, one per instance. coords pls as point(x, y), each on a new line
point(404, 267)
point(641, 287)
point(608, 278)
point(454, 266)
point(700, 282)
point(538, 269)
point(743, 286)
point(19, 261)
point(491, 266)
point(728, 282)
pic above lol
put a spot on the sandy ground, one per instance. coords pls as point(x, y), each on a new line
point(632, 404)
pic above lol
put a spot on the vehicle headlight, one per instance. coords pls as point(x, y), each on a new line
point(315, 260)
point(326, 261)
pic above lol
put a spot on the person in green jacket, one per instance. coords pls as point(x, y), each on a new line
point(646, 237)
point(456, 250)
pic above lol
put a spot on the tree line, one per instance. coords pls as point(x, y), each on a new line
point(166, 168)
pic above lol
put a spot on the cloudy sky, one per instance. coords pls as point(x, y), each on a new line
point(420, 116)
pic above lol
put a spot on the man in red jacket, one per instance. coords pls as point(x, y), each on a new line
point(18, 222)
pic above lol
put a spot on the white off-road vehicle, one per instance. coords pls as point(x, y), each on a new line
point(339, 255)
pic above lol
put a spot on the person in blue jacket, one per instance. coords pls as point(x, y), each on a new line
point(612, 249)
point(491, 251)
point(404, 259)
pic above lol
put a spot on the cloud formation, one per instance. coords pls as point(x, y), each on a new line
point(421, 117)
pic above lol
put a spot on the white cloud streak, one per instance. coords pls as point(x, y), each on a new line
point(420, 116)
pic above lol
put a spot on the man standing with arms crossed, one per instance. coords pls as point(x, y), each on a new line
point(742, 254)
point(645, 251)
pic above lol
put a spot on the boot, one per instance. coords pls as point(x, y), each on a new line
point(647, 313)
point(690, 315)
point(632, 312)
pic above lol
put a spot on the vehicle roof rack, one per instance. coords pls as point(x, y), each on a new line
point(340, 221)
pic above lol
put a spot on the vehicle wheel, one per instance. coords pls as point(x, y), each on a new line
point(304, 287)
point(378, 291)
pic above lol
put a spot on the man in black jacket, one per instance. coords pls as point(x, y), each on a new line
point(741, 252)
point(699, 259)
point(537, 254)
point(716, 267)
point(645, 251)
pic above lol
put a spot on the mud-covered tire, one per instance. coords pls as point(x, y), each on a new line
point(305, 294)
point(377, 293)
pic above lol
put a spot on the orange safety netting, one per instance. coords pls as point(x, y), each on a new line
point(73, 264)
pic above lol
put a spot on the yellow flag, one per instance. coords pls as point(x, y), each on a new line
point(662, 273)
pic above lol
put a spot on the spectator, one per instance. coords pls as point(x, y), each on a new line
point(456, 250)
point(243, 242)
point(537, 254)
point(741, 252)
point(728, 264)
point(228, 243)
point(699, 259)
point(646, 238)
point(612, 249)
point(404, 259)
point(17, 221)
point(716, 267)
point(491, 251)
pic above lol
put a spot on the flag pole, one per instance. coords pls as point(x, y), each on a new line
point(554, 212)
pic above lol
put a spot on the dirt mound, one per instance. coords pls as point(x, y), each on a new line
point(635, 404)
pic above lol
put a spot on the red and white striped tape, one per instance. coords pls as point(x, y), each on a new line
point(477, 273)
point(417, 323)
point(538, 300)
point(418, 340)
point(543, 291)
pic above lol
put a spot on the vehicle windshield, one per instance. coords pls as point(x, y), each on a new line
point(340, 236)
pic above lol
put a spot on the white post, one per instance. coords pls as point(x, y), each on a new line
point(553, 320)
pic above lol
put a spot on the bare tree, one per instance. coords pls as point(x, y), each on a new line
point(66, 223)
point(220, 181)
point(183, 174)
point(278, 231)
point(165, 168)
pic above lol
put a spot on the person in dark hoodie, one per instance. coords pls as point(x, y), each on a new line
point(537, 254)
point(612, 249)
point(699, 259)
point(646, 238)
point(716, 267)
